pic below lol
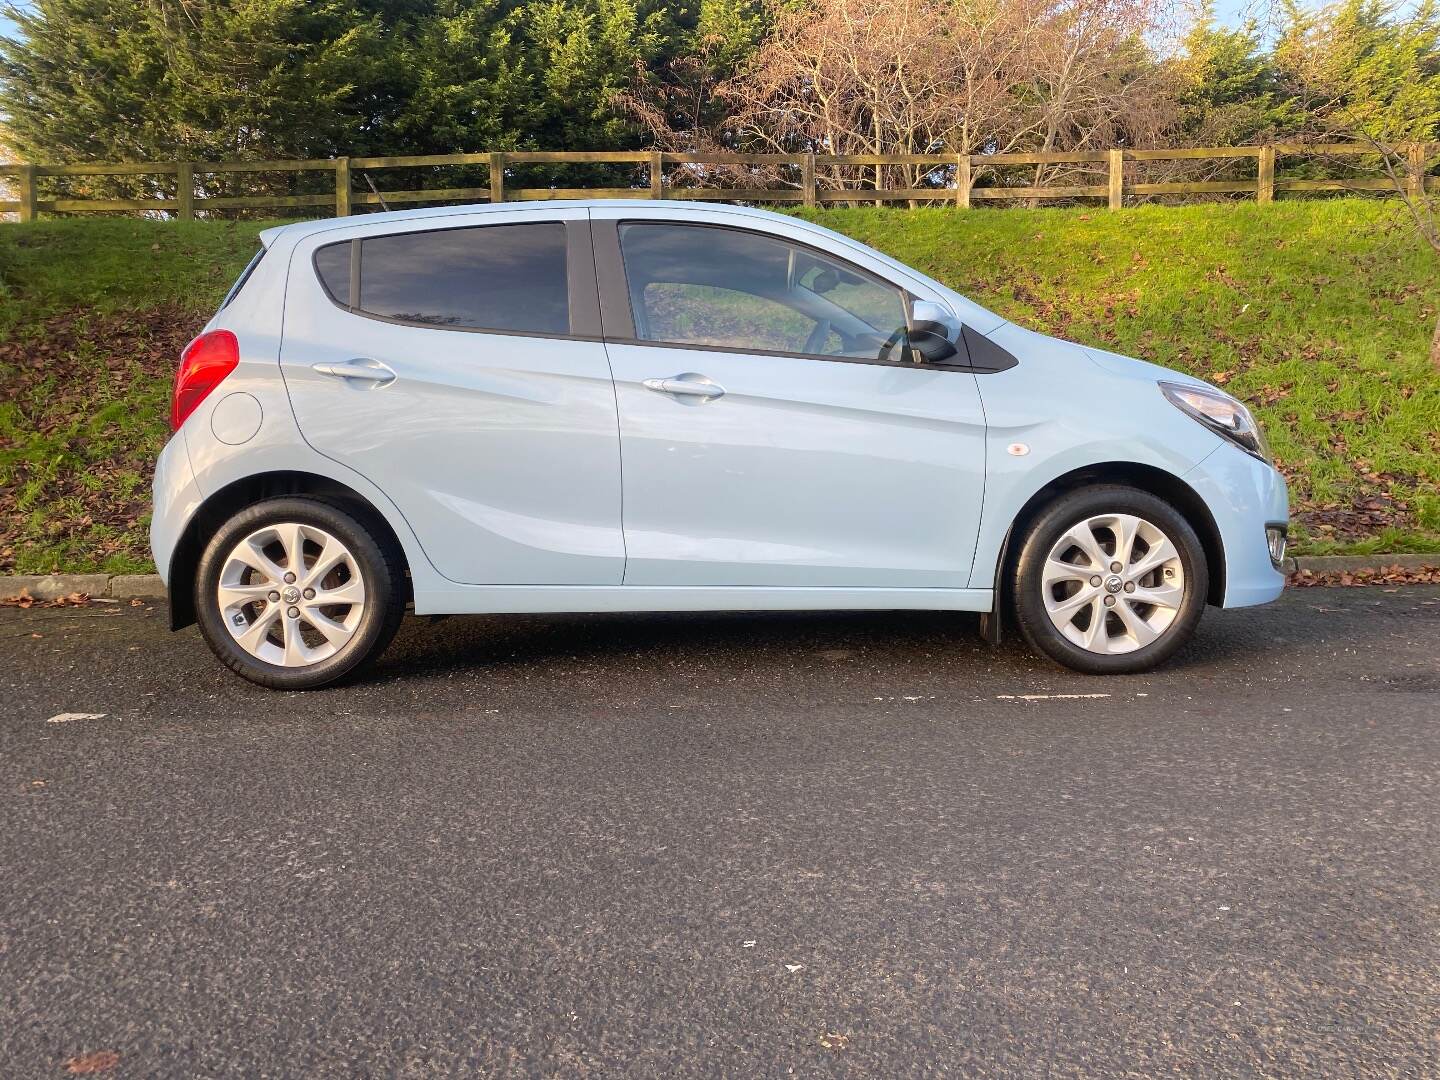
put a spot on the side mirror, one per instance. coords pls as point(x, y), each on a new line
point(934, 332)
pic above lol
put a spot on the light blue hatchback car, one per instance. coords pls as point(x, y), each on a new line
point(654, 406)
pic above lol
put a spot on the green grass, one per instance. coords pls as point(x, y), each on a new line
point(1317, 313)
point(115, 264)
point(93, 315)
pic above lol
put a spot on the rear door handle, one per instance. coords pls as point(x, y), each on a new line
point(361, 370)
point(689, 385)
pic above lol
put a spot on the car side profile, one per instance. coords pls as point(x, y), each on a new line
point(655, 406)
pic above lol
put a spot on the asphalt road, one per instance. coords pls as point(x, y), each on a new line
point(727, 845)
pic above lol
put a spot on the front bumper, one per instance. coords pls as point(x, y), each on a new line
point(1244, 496)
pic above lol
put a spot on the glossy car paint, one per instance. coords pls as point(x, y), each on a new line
point(1239, 491)
point(850, 451)
point(501, 450)
point(697, 542)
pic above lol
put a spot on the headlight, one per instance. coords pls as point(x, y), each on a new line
point(1221, 413)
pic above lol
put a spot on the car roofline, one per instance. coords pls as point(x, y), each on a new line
point(298, 229)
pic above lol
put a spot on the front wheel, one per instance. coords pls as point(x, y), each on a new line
point(295, 593)
point(1110, 580)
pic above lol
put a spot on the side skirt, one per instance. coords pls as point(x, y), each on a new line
point(535, 599)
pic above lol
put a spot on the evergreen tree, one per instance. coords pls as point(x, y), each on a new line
point(1364, 68)
point(1227, 86)
point(209, 79)
point(165, 79)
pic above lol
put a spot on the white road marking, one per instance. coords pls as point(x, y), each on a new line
point(1048, 697)
point(66, 717)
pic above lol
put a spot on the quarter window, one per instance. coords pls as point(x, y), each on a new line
point(727, 288)
point(332, 263)
point(490, 277)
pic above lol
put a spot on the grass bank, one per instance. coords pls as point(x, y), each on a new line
point(1317, 313)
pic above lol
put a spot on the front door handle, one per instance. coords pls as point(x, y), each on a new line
point(688, 385)
point(361, 370)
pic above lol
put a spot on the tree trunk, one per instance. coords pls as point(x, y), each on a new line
point(1435, 346)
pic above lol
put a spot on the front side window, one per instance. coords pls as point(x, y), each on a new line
point(489, 277)
point(727, 288)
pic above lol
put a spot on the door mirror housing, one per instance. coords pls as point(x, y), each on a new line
point(934, 332)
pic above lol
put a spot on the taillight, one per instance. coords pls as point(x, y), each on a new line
point(203, 366)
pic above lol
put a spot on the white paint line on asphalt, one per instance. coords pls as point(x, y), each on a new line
point(1048, 697)
point(66, 717)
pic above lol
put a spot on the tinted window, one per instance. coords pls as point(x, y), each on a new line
point(493, 277)
point(699, 285)
point(332, 263)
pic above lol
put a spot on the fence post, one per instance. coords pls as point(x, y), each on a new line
point(497, 178)
point(1117, 179)
point(962, 181)
point(342, 187)
point(807, 178)
point(1415, 185)
point(26, 185)
point(657, 175)
point(1265, 178)
point(185, 191)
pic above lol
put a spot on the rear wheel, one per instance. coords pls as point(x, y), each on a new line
point(1110, 579)
point(295, 593)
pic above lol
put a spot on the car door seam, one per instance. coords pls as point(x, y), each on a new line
point(614, 395)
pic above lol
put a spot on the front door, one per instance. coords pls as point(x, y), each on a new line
point(774, 431)
point(456, 364)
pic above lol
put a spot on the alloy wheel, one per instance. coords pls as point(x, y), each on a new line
point(291, 594)
point(1113, 583)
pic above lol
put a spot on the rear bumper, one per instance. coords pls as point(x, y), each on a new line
point(1244, 496)
point(176, 498)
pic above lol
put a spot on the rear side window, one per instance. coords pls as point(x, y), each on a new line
point(489, 277)
point(332, 263)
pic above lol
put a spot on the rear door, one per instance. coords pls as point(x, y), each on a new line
point(456, 363)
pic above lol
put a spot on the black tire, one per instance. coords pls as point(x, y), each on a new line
point(379, 565)
point(1073, 508)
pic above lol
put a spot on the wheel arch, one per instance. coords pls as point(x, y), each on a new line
point(235, 496)
point(1148, 478)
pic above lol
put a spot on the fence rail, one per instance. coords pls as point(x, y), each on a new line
point(959, 186)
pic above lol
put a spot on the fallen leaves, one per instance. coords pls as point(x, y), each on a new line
point(24, 600)
point(1269, 395)
point(89, 1064)
point(1365, 515)
point(65, 380)
point(1385, 575)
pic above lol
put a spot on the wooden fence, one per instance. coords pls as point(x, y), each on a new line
point(957, 186)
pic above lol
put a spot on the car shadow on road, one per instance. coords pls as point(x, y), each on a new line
point(748, 640)
point(704, 638)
